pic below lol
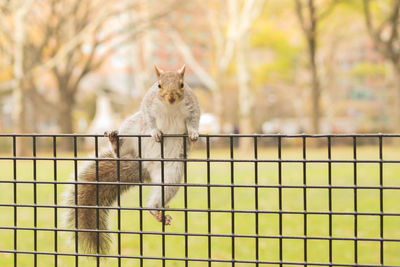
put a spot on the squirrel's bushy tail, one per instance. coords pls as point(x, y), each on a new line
point(89, 195)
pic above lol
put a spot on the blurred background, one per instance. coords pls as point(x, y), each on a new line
point(288, 66)
point(257, 66)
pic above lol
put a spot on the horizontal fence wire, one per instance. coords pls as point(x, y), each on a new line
point(250, 199)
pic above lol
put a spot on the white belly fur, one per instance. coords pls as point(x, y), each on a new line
point(169, 122)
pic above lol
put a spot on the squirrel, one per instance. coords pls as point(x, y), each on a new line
point(168, 107)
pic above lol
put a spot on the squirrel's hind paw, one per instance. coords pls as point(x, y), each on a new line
point(166, 220)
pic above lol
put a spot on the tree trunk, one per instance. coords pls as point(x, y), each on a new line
point(245, 100)
point(34, 108)
point(396, 97)
point(315, 89)
point(217, 98)
point(65, 121)
point(19, 115)
point(18, 71)
point(19, 108)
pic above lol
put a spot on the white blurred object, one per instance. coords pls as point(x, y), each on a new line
point(82, 124)
point(270, 127)
point(104, 118)
point(103, 121)
point(284, 126)
point(209, 124)
point(227, 128)
point(340, 125)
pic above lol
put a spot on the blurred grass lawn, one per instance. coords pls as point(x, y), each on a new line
point(292, 173)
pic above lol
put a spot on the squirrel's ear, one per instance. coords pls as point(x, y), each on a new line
point(181, 71)
point(158, 70)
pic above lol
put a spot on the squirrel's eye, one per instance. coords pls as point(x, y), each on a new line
point(159, 85)
point(181, 85)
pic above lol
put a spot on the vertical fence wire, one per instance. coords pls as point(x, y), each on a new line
point(355, 195)
point(381, 199)
point(34, 201)
point(96, 152)
point(76, 200)
point(305, 198)
point(256, 199)
point(162, 201)
point(185, 200)
point(232, 199)
point(119, 202)
point(280, 199)
point(55, 201)
point(209, 251)
point(14, 151)
point(140, 201)
point(330, 198)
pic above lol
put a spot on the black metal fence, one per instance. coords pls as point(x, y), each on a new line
point(301, 200)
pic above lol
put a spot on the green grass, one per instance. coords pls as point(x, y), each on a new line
point(292, 200)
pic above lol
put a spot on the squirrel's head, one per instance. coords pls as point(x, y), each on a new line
point(170, 84)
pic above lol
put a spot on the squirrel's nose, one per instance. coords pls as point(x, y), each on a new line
point(171, 99)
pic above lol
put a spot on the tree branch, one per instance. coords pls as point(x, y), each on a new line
point(328, 9)
point(370, 27)
point(300, 16)
point(184, 49)
point(394, 19)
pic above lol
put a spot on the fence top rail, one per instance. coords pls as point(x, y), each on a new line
point(203, 159)
point(205, 135)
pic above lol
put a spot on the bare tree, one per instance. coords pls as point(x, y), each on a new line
point(20, 37)
point(143, 49)
point(77, 64)
point(385, 35)
point(246, 95)
point(32, 49)
point(228, 26)
point(71, 39)
point(17, 35)
point(310, 15)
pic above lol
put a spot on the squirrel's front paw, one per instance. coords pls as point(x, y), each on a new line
point(113, 138)
point(156, 135)
point(112, 135)
point(193, 135)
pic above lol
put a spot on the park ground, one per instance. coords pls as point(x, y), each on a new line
point(368, 200)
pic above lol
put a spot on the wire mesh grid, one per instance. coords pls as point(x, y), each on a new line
point(318, 200)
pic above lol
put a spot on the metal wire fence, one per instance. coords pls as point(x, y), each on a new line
point(304, 200)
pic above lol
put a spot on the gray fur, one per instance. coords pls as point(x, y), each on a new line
point(155, 117)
